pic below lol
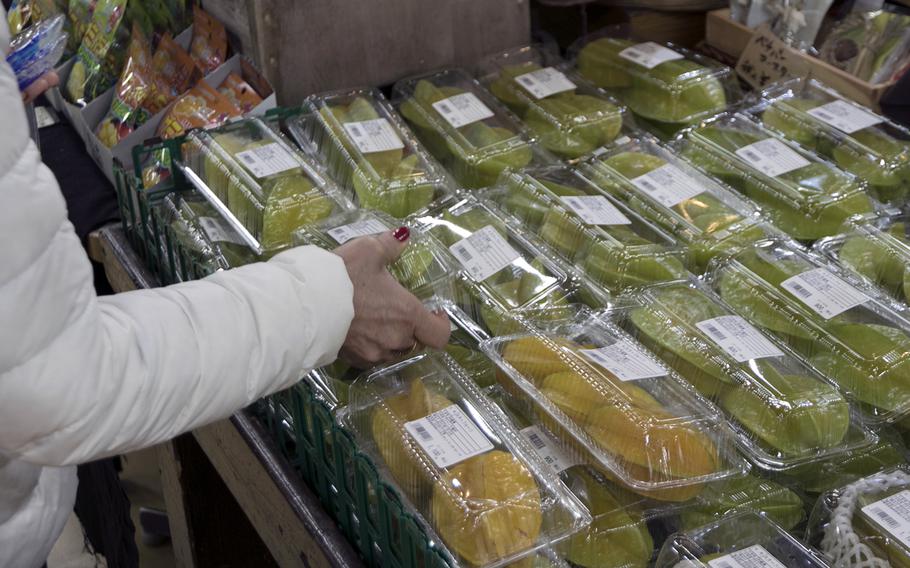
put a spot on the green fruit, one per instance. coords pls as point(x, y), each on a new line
point(292, 202)
point(413, 267)
point(840, 470)
point(876, 258)
point(600, 63)
point(634, 164)
point(572, 125)
point(617, 538)
point(478, 366)
point(881, 160)
point(508, 91)
point(630, 261)
point(793, 414)
point(788, 116)
point(745, 493)
point(672, 92)
point(492, 150)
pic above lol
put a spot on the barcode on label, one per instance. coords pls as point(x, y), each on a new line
point(247, 158)
point(751, 155)
point(444, 107)
point(887, 519)
point(800, 290)
point(647, 185)
point(536, 441)
point(463, 253)
point(712, 329)
point(423, 433)
point(823, 114)
point(355, 131)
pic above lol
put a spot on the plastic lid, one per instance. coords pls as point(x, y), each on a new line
point(738, 541)
point(846, 330)
point(369, 151)
point(613, 401)
point(650, 179)
point(660, 82)
point(465, 127)
point(801, 194)
point(866, 144)
point(570, 116)
point(460, 464)
point(612, 245)
point(879, 253)
point(783, 412)
point(422, 268)
point(257, 178)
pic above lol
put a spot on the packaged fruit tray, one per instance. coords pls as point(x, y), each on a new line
point(627, 529)
point(784, 413)
point(879, 252)
point(465, 127)
point(865, 522)
point(612, 245)
point(614, 403)
point(369, 151)
point(464, 471)
point(868, 145)
point(259, 183)
point(706, 215)
point(737, 541)
point(666, 86)
point(423, 268)
point(851, 333)
point(801, 194)
point(569, 116)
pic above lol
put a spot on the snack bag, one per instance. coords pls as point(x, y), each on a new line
point(134, 87)
point(240, 93)
point(201, 107)
point(209, 46)
point(79, 14)
point(92, 57)
point(173, 69)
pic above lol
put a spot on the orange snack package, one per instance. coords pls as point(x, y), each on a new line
point(240, 93)
point(132, 89)
point(175, 71)
point(209, 45)
point(202, 106)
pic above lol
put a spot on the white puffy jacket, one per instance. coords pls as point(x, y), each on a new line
point(83, 377)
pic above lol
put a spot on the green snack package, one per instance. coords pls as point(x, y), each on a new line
point(463, 126)
point(98, 52)
point(803, 196)
point(369, 151)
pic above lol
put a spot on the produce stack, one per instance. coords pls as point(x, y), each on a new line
point(679, 315)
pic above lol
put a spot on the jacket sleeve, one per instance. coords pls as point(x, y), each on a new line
point(83, 377)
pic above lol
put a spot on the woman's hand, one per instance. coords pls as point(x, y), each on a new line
point(47, 81)
point(387, 318)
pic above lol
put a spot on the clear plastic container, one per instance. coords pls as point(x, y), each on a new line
point(422, 268)
point(369, 151)
point(879, 252)
point(616, 404)
point(849, 332)
point(783, 412)
point(865, 523)
point(253, 175)
point(464, 345)
point(868, 145)
point(229, 249)
point(803, 195)
point(509, 268)
point(570, 117)
point(652, 181)
point(465, 127)
point(662, 83)
point(180, 240)
point(745, 539)
point(612, 245)
point(462, 468)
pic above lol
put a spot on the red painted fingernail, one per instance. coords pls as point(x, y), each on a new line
point(402, 234)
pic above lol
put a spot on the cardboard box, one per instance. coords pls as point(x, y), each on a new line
point(730, 37)
point(85, 120)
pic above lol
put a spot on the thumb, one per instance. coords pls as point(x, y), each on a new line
point(393, 244)
point(432, 329)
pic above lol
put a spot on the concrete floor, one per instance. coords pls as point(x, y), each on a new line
point(142, 484)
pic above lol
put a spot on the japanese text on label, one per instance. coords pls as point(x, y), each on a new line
point(375, 135)
point(824, 292)
point(461, 110)
point(484, 253)
point(448, 436)
point(625, 360)
point(267, 160)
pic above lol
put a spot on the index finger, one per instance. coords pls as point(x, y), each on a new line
point(431, 329)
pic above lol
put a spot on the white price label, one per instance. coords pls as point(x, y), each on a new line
point(824, 292)
point(462, 109)
point(545, 82)
point(267, 160)
point(359, 229)
point(738, 338)
point(893, 515)
point(448, 436)
point(219, 231)
point(375, 135)
point(626, 360)
point(484, 253)
point(668, 185)
point(649, 54)
point(595, 210)
point(548, 449)
point(845, 117)
point(772, 157)
point(753, 557)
